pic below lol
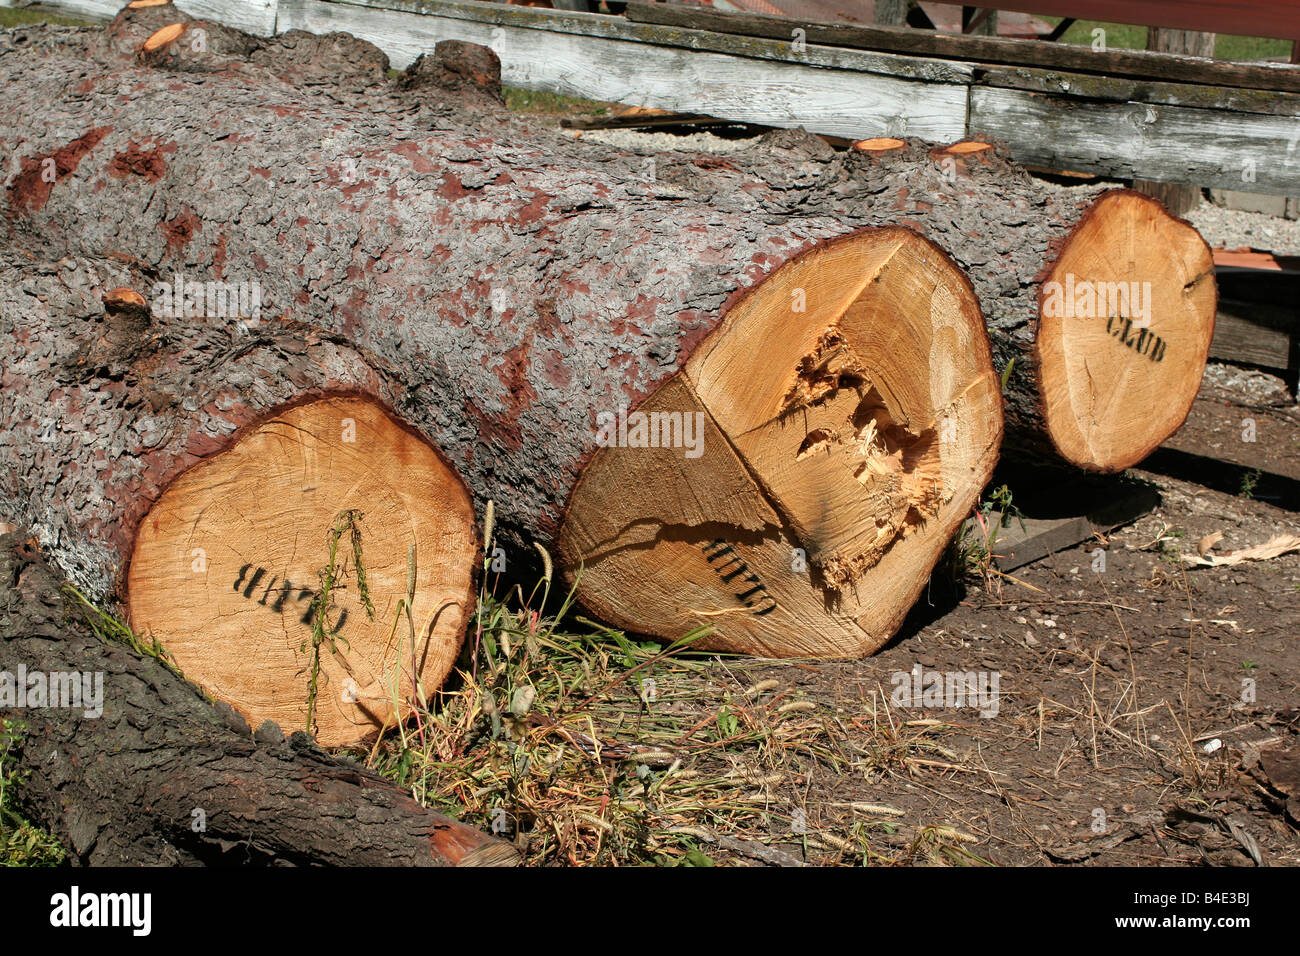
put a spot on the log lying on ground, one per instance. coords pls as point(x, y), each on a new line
point(850, 432)
point(830, 401)
point(217, 460)
point(163, 777)
point(1103, 305)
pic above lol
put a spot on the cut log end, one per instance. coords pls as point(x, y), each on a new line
point(226, 570)
point(1126, 314)
point(965, 148)
point(143, 4)
point(846, 415)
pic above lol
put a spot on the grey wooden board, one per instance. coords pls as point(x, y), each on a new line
point(907, 66)
point(1126, 90)
point(1017, 545)
point(1064, 56)
point(251, 16)
point(838, 102)
point(1142, 141)
point(99, 10)
point(1239, 336)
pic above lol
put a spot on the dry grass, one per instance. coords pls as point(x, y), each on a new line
point(584, 747)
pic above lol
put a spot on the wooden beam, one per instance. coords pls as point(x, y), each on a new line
point(745, 88)
point(1178, 198)
point(1258, 318)
point(252, 16)
point(1250, 333)
point(539, 20)
point(1141, 141)
point(1088, 86)
point(1062, 512)
point(1131, 63)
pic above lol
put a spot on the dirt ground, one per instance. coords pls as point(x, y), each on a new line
point(1147, 710)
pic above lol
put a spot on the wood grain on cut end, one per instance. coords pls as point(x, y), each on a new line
point(966, 148)
point(142, 4)
point(163, 37)
point(848, 416)
point(227, 563)
point(1126, 315)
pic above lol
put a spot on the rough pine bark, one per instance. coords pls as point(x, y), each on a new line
point(163, 777)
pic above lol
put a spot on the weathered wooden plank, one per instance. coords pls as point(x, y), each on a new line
point(1091, 507)
point(1018, 545)
point(1132, 63)
point(616, 28)
point(100, 11)
point(1239, 336)
point(839, 102)
point(1125, 90)
point(252, 16)
point(1140, 141)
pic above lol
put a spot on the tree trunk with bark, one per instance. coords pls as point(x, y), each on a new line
point(127, 764)
point(771, 425)
point(213, 467)
point(1099, 304)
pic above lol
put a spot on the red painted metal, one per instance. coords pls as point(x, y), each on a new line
point(1252, 18)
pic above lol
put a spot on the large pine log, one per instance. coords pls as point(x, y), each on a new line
point(216, 461)
point(830, 400)
point(161, 776)
point(1100, 383)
